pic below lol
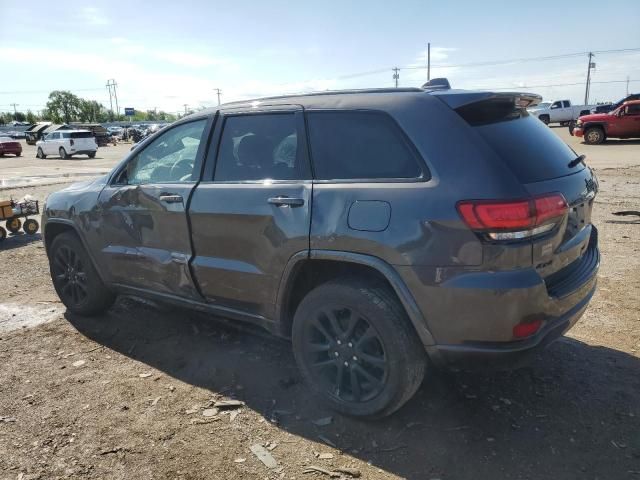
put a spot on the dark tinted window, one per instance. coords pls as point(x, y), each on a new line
point(81, 134)
point(566, 104)
point(525, 144)
point(359, 145)
point(260, 147)
point(633, 109)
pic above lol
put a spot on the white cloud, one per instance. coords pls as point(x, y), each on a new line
point(93, 16)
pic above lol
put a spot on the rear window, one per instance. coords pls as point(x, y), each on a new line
point(360, 145)
point(530, 149)
point(81, 134)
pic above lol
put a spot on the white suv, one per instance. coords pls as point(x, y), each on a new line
point(67, 143)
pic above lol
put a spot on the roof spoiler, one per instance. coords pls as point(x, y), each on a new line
point(437, 84)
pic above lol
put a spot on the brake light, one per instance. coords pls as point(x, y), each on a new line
point(71, 142)
point(512, 220)
point(523, 330)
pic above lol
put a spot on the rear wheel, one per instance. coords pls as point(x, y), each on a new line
point(594, 136)
point(40, 153)
point(30, 226)
point(63, 153)
point(356, 348)
point(91, 154)
point(75, 279)
point(13, 224)
point(18, 154)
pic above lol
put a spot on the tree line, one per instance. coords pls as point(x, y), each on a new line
point(65, 107)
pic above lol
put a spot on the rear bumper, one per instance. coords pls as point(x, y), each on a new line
point(472, 314)
point(81, 152)
point(509, 355)
point(11, 150)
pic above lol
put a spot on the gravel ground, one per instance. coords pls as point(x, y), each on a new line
point(133, 393)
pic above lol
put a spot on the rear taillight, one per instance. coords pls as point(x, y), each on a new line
point(512, 220)
point(71, 142)
point(523, 330)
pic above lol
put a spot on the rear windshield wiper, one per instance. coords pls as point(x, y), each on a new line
point(576, 161)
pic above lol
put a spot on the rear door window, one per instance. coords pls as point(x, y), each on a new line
point(528, 147)
point(360, 145)
point(260, 147)
point(81, 135)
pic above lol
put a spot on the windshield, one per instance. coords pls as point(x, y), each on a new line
point(542, 105)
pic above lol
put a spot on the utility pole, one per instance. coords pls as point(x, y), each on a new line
point(219, 92)
point(428, 61)
point(627, 85)
point(15, 112)
point(185, 108)
point(111, 84)
point(396, 75)
point(589, 67)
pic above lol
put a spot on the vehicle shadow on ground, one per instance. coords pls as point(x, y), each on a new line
point(18, 240)
point(574, 413)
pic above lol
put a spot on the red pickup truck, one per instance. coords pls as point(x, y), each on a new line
point(623, 122)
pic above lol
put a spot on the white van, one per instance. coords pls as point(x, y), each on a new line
point(66, 143)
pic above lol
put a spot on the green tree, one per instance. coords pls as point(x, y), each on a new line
point(63, 106)
point(92, 111)
point(31, 117)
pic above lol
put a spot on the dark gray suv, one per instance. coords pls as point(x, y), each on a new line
point(382, 231)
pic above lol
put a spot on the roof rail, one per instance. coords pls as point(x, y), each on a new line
point(437, 84)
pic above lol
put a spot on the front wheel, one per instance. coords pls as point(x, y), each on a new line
point(40, 153)
point(545, 119)
point(91, 154)
point(75, 279)
point(356, 348)
point(594, 136)
point(30, 226)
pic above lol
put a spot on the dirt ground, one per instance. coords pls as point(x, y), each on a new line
point(132, 394)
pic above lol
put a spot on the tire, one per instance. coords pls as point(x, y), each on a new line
point(19, 154)
point(544, 119)
point(3, 234)
point(572, 126)
point(13, 224)
point(40, 153)
point(63, 153)
point(30, 226)
point(594, 136)
point(91, 155)
point(356, 348)
point(75, 279)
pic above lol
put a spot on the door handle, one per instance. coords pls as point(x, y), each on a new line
point(170, 198)
point(286, 201)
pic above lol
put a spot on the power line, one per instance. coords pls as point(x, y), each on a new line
point(561, 84)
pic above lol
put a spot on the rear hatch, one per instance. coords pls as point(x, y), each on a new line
point(544, 165)
point(83, 140)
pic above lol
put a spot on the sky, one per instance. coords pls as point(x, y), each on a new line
point(164, 54)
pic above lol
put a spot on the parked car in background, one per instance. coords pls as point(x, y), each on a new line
point(624, 122)
point(10, 146)
point(339, 221)
point(67, 143)
point(558, 111)
point(608, 107)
